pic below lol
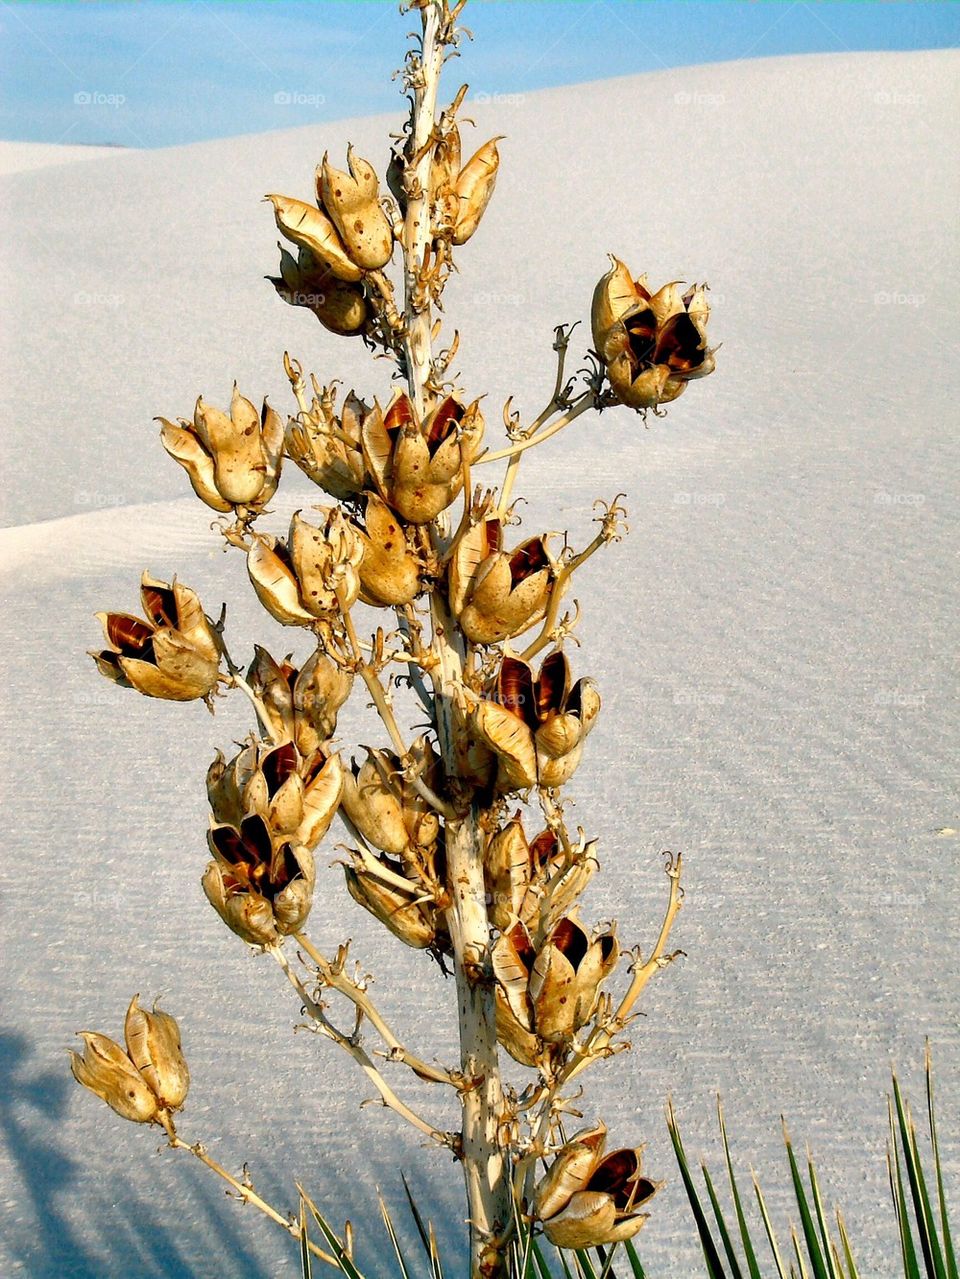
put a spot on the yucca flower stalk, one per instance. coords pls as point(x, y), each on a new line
point(474, 620)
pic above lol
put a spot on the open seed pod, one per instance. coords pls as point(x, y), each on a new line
point(497, 595)
point(261, 885)
point(300, 706)
point(417, 467)
point(312, 574)
point(652, 344)
point(535, 726)
point(589, 1200)
point(173, 653)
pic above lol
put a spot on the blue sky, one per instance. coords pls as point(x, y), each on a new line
point(148, 73)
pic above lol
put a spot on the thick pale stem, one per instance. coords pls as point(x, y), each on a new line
point(486, 1168)
point(416, 227)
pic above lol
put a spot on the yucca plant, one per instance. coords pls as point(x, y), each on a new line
point(439, 850)
point(821, 1248)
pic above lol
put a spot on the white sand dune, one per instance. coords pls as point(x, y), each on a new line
point(774, 643)
point(20, 157)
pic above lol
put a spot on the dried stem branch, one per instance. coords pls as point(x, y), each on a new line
point(332, 975)
point(243, 1191)
point(359, 1055)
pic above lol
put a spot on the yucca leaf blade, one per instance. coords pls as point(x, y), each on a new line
point(711, 1255)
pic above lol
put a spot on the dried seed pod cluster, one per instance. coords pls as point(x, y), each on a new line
point(588, 1199)
point(652, 344)
point(171, 653)
point(147, 1081)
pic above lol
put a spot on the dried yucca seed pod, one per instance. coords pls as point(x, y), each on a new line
point(390, 569)
point(306, 281)
point(296, 796)
point(173, 653)
point(300, 706)
point(536, 882)
point(313, 574)
point(231, 461)
point(402, 911)
point(536, 727)
point(259, 884)
point(386, 808)
point(474, 187)
point(149, 1079)
point(588, 1200)
point(327, 448)
point(310, 228)
point(109, 1073)
point(548, 992)
point(417, 467)
point(153, 1043)
point(353, 202)
point(652, 344)
point(497, 595)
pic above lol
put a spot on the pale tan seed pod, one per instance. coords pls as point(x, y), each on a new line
point(595, 967)
point(109, 1073)
point(310, 228)
point(246, 448)
point(372, 801)
point(511, 742)
point(418, 467)
point(402, 914)
point(322, 793)
point(514, 1009)
point(275, 582)
point(588, 1220)
point(306, 282)
point(589, 1200)
point(172, 653)
point(247, 914)
point(389, 570)
point(507, 869)
point(321, 688)
point(153, 1045)
point(614, 297)
point(353, 202)
point(570, 1171)
point(552, 992)
point(474, 187)
point(184, 446)
point(553, 773)
point(292, 904)
point(495, 594)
